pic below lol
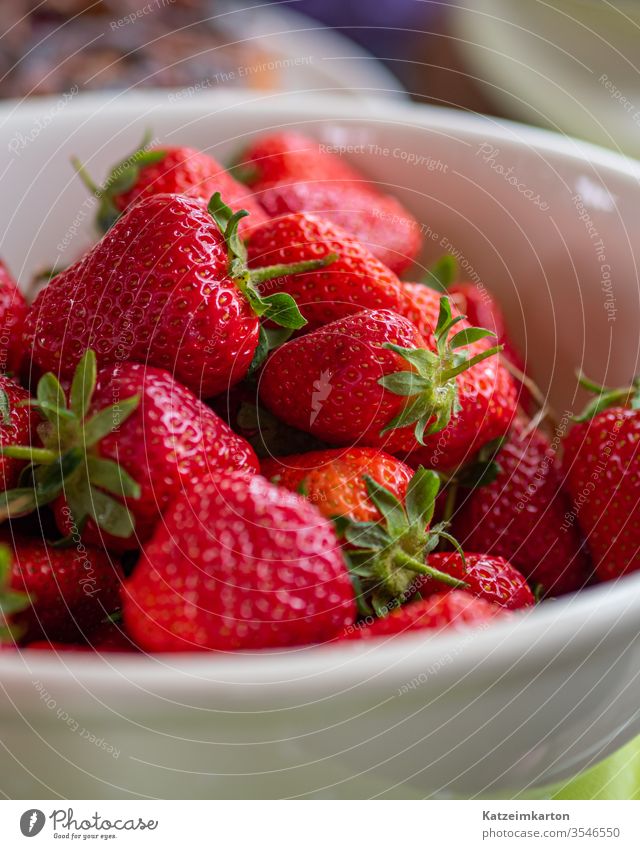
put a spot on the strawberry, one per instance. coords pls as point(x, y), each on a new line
point(130, 439)
point(168, 286)
point(334, 479)
point(492, 578)
point(238, 563)
point(439, 612)
point(16, 425)
point(377, 221)
point(520, 515)
point(290, 172)
point(371, 379)
point(13, 310)
point(601, 465)
point(289, 156)
point(355, 279)
point(167, 170)
point(56, 593)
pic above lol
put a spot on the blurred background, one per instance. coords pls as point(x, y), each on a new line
point(571, 65)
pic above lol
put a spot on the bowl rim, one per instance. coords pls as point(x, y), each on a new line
point(571, 623)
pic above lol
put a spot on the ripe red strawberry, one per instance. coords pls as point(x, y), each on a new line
point(334, 479)
point(439, 612)
point(355, 280)
point(290, 156)
point(370, 379)
point(379, 222)
point(129, 441)
point(13, 310)
point(168, 286)
point(492, 578)
point(16, 425)
point(239, 564)
point(292, 173)
point(520, 515)
point(601, 465)
point(489, 392)
point(56, 593)
point(167, 170)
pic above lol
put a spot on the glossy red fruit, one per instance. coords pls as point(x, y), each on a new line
point(355, 280)
point(291, 172)
point(602, 469)
point(371, 379)
point(439, 612)
point(487, 393)
point(168, 170)
point(334, 479)
point(16, 427)
point(13, 311)
point(167, 286)
point(239, 564)
point(492, 578)
point(70, 590)
point(131, 439)
point(377, 221)
point(520, 515)
point(290, 156)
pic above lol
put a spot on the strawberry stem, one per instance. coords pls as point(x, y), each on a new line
point(405, 561)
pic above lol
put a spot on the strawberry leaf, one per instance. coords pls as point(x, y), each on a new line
point(83, 384)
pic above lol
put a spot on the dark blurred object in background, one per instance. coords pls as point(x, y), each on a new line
point(57, 45)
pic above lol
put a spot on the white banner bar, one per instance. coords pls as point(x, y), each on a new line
point(305, 825)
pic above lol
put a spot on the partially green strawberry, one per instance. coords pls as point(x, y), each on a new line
point(113, 456)
point(602, 473)
point(168, 286)
point(153, 170)
point(355, 280)
point(371, 379)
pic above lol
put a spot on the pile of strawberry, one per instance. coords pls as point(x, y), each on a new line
point(401, 484)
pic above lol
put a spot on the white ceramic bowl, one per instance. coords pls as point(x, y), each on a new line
point(513, 706)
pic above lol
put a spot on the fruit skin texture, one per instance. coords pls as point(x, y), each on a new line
point(356, 280)
point(519, 516)
point(487, 392)
point(17, 429)
point(155, 289)
point(377, 221)
point(601, 464)
point(13, 311)
point(72, 589)
point(166, 445)
point(333, 480)
point(326, 383)
point(450, 609)
point(186, 171)
point(493, 579)
point(262, 569)
point(289, 172)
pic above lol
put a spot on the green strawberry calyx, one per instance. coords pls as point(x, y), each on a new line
point(607, 397)
point(11, 601)
point(279, 307)
point(122, 179)
point(68, 463)
point(431, 386)
point(386, 557)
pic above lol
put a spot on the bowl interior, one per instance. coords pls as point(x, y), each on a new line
point(550, 225)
